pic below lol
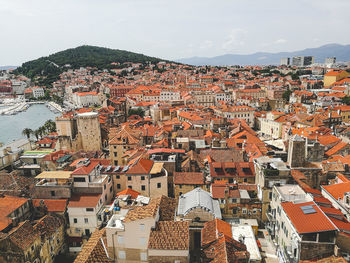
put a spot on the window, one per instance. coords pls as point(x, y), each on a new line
point(79, 179)
point(32, 248)
point(180, 186)
point(86, 220)
point(142, 227)
point(143, 256)
point(121, 254)
point(143, 187)
point(117, 176)
point(159, 185)
point(104, 187)
point(244, 210)
point(75, 220)
point(142, 178)
point(118, 186)
point(89, 209)
point(53, 193)
point(245, 180)
point(121, 239)
point(129, 186)
point(115, 154)
point(111, 189)
point(87, 232)
point(129, 178)
point(115, 163)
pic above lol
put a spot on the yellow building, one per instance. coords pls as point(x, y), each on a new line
point(122, 140)
point(185, 182)
point(344, 112)
point(334, 76)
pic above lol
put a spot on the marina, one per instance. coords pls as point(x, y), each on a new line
point(17, 106)
point(11, 126)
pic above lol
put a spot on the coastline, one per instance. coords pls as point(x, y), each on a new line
point(11, 126)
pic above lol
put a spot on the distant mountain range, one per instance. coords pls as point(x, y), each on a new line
point(7, 67)
point(341, 52)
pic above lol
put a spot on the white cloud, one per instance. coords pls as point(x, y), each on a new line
point(280, 41)
point(235, 38)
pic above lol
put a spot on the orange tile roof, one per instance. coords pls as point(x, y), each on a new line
point(307, 223)
point(84, 200)
point(134, 194)
point(8, 204)
point(188, 178)
point(170, 235)
point(143, 166)
point(337, 190)
point(59, 205)
point(336, 148)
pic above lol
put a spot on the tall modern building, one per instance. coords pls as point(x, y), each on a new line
point(301, 61)
point(285, 61)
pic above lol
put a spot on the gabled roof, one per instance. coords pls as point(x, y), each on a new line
point(142, 166)
point(86, 170)
point(8, 204)
point(53, 205)
point(170, 235)
point(94, 250)
point(213, 229)
point(84, 200)
point(307, 223)
point(134, 194)
point(337, 190)
point(188, 178)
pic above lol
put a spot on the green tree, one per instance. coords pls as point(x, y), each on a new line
point(346, 100)
point(137, 111)
point(36, 134)
point(27, 132)
point(286, 95)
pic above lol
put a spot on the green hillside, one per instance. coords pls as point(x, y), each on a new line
point(46, 70)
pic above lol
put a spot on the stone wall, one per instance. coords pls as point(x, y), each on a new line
point(315, 251)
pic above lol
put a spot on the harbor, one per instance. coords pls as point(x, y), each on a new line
point(17, 106)
point(11, 126)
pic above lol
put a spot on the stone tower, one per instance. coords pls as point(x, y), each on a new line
point(89, 129)
point(296, 151)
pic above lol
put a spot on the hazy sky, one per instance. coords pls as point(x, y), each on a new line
point(169, 29)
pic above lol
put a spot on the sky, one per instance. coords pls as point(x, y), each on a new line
point(174, 29)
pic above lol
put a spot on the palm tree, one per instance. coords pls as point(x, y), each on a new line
point(42, 131)
point(50, 126)
point(36, 134)
point(27, 132)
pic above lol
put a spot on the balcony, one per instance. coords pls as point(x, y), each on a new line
point(46, 183)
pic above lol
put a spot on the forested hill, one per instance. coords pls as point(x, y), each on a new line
point(47, 69)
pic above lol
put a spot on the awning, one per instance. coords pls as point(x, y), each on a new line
point(64, 158)
point(54, 175)
point(157, 168)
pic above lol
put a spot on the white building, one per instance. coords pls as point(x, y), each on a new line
point(38, 92)
point(169, 95)
point(85, 99)
point(85, 213)
point(339, 196)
